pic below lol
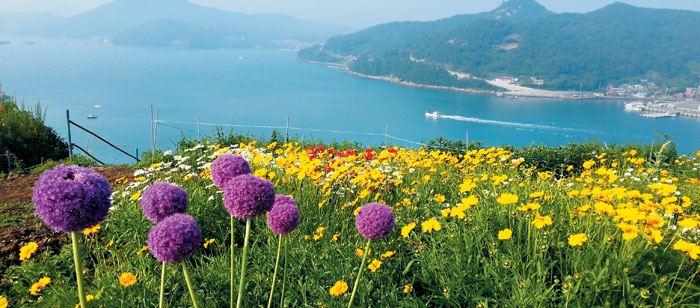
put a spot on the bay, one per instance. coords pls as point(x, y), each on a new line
point(254, 87)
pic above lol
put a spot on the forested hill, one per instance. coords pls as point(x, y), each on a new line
point(615, 44)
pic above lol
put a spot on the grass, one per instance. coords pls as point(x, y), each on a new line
point(463, 264)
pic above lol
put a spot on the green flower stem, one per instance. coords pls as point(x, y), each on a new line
point(189, 285)
point(162, 286)
point(274, 276)
point(244, 261)
point(362, 267)
point(78, 269)
point(231, 284)
point(284, 276)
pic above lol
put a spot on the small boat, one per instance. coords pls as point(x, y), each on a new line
point(92, 116)
point(514, 97)
point(97, 106)
point(636, 106)
point(432, 114)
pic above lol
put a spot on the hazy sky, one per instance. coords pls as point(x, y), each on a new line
point(354, 13)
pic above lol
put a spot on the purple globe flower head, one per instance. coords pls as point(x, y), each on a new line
point(71, 198)
point(174, 238)
point(227, 167)
point(284, 216)
point(248, 196)
point(162, 199)
point(374, 221)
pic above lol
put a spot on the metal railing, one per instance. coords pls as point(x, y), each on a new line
point(71, 145)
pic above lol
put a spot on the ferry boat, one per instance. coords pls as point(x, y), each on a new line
point(432, 114)
point(636, 106)
point(92, 116)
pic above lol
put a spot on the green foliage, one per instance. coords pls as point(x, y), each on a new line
point(77, 159)
point(24, 134)
point(616, 44)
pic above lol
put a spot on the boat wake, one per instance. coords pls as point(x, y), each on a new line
point(514, 124)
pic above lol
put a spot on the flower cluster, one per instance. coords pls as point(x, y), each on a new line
point(162, 199)
point(284, 216)
point(248, 196)
point(174, 238)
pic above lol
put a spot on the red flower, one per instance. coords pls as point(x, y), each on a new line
point(369, 156)
point(319, 148)
point(2, 108)
point(369, 150)
point(392, 150)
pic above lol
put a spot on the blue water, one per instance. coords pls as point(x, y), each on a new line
point(264, 87)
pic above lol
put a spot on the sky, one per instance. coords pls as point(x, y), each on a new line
point(354, 13)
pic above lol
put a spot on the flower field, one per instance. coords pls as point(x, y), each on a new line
point(478, 229)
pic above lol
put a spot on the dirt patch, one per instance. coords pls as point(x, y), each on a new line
point(18, 223)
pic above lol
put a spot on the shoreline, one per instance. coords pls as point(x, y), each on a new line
point(521, 91)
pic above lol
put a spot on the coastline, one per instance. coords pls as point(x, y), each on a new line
point(513, 91)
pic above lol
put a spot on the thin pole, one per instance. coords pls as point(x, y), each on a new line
point(153, 145)
point(467, 144)
point(199, 136)
point(231, 281)
point(286, 133)
point(70, 142)
point(155, 132)
point(9, 165)
point(274, 276)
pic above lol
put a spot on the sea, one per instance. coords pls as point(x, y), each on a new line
point(256, 91)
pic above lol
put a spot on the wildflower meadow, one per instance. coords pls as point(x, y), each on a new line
point(275, 224)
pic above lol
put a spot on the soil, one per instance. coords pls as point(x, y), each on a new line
point(23, 225)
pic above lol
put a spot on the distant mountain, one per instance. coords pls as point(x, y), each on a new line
point(617, 43)
point(139, 22)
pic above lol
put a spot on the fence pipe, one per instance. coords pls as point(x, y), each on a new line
point(70, 142)
point(87, 153)
point(101, 139)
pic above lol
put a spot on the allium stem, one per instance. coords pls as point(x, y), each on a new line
point(231, 262)
point(244, 262)
point(284, 275)
point(362, 267)
point(162, 286)
point(189, 285)
point(274, 275)
point(78, 269)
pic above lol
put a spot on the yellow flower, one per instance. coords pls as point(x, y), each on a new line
point(361, 252)
point(688, 223)
point(577, 239)
point(26, 251)
point(3, 302)
point(588, 164)
point(37, 287)
point(536, 194)
point(439, 198)
point(430, 225)
point(88, 298)
point(206, 244)
point(135, 196)
point(127, 279)
point(692, 249)
point(470, 201)
point(335, 237)
point(407, 288)
point(629, 231)
point(144, 248)
point(109, 244)
point(446, 212)
point(374, 265)
point(406, 230)
point(91, 230)
point(388, 254)
point(260, 173)
point(505, 234)
point(339, 288)
point(541, 221)
point(467, 186)
point(529, 207)
point(507, 198)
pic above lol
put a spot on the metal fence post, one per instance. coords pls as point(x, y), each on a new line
point(386, 135)
point(9, 165)
point(70, 142)
point(467, 144)
point(286, 132)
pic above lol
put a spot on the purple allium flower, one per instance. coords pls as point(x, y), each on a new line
point(162, 199)
point(374, 221)
point(227, 167)
point(248, 196)
point(284, 216)
point(174, 238)
point(71, 198)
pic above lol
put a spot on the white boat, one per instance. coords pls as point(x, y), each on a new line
point(97, 106)
point(636, 106)
point(432, 114)
point(92, 116)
